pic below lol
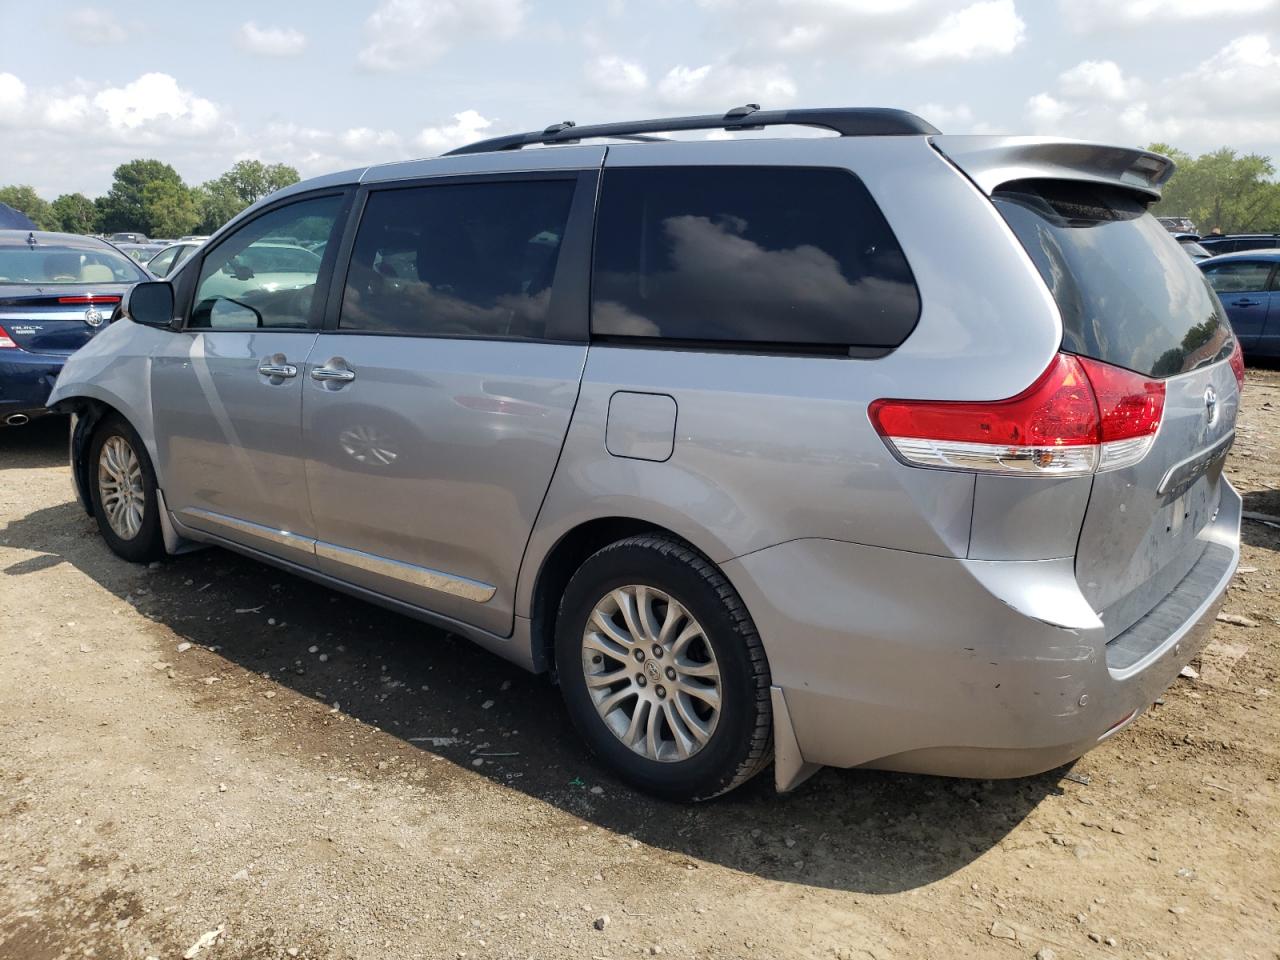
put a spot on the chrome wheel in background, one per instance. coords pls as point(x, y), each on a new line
point(120, 487)
point(651, 673)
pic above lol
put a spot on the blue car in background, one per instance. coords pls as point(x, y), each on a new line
point(1248, 283)
point(57, 290)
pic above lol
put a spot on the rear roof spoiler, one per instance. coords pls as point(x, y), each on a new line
point(992, 161)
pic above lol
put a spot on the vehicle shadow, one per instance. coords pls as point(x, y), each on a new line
point(40, 443)
point(1261, 533)
point(442, 697)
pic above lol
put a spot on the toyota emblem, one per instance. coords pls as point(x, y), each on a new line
point(1211, 405)
point(93, 316)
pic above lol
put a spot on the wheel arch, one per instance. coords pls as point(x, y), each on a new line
point(90, 402)
point(87, 413)
point(562, 560)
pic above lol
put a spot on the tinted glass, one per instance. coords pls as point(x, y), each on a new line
point(458, 260)
point(1239, 276)
point(1128, 295)
point(47, 264)
point(260, 275)
point(783, 255)
point(161, 262)
point(1255, 243)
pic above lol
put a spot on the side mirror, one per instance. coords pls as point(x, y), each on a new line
point(242, 271)
point(149, 303)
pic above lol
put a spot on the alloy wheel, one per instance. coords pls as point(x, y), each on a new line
point(651, 673)
point(120, 488)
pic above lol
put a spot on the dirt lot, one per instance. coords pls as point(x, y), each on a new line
point(214, 752)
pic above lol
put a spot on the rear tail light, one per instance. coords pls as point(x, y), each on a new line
point(1237, 365)
point(1080, 417)
point(6, 341)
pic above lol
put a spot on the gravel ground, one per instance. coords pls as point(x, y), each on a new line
point(211, 758)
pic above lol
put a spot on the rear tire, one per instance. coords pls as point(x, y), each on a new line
point(122, 488)
point(662, 670)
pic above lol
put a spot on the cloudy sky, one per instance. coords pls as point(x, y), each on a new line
point(326, 85)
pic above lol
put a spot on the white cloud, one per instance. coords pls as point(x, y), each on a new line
point(953, 119)
point(1046, 113)
point(13, 97)
point(1097, 80)
point(1244, 73)
point(408, 33)
point(727, 85)
point(156, 98)
point(1095, 15)
point(986, 29)
point(614, 75)
point(1232, 97)
point(877, 33)
point(271, 41)
point(467, 127)
point(95, 27)
point(361, 139)
point(67, 113)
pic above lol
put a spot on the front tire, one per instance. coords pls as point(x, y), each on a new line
point(662, 670)
point(122, 487)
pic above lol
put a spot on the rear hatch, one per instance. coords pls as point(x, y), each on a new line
point(1130, 297)
point(56, 321)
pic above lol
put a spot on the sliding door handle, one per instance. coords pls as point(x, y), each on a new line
point(332, 374)
point(284, 371)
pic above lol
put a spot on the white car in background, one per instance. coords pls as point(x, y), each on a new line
point(168, 259)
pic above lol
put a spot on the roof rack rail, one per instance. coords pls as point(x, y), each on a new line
point(846, 121)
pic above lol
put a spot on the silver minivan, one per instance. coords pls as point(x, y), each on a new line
point(876, 449)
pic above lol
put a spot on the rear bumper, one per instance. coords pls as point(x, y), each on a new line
point(26, 380)
point(925, 664)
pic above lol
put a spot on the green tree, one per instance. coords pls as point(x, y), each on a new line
point(1235, 193)
point(245, 183)
point(75, 213)
point(25, 199)
point(125, 207)
point(172, 209)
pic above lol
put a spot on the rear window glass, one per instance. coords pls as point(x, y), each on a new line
point(763, 255)
point(1128, 295)
point(46, 264)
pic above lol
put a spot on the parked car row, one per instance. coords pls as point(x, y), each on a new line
point(1248, 284)
point(1235, 242)
point(688, 423)
point(57, 291)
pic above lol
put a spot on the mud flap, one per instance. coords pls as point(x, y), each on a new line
point(789, 767)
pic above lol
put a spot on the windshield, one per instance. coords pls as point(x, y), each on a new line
point(1127, 293)
point(47, 264)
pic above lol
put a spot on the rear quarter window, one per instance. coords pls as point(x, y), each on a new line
point(1127, 294)
point(755, 255)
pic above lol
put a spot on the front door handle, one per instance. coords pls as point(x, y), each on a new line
point(284, 371)
point(327, 374)
point(1245, 303)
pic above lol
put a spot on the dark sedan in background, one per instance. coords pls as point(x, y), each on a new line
point(1248, 284)
point(1235, 242)
point(56, 291)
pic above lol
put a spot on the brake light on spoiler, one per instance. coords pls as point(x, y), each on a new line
point(1081, 417)
point(91, 298)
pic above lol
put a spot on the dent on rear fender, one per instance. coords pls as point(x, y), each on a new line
point(1043, 590)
